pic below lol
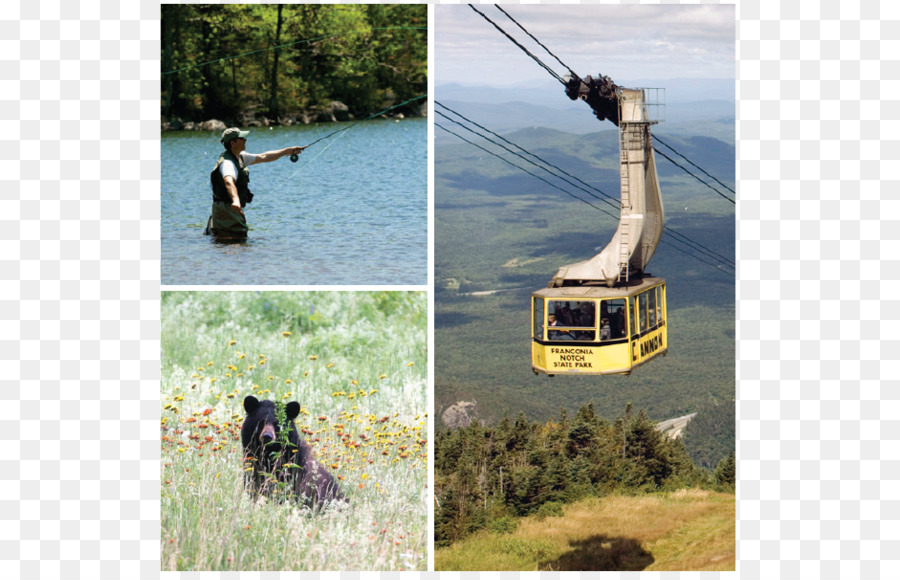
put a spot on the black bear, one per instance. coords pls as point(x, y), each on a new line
point(278, 456)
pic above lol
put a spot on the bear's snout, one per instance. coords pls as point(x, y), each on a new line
point(268, 434)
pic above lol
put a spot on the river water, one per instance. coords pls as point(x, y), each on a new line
point(351, 211)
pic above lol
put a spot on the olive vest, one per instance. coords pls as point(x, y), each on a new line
point(243, 180)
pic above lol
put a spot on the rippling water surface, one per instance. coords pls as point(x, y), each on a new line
point(351, 211)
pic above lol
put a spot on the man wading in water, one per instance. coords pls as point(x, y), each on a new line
point(230, 183)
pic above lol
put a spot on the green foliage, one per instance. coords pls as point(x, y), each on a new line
point(550, 509)
point(503, 525)
point(725, 472)
point(642, 448)
point(483, 474)
point(710, 435)
point(527, 549)
point(233, 60)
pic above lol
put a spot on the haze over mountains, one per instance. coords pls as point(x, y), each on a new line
point(687, 102)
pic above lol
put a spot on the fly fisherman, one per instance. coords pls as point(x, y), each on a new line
point(230, 183)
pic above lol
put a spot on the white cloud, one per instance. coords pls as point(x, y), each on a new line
point(623, 42)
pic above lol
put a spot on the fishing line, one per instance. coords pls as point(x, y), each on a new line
point(338, 133)
point(367, 119)
point(307, 163)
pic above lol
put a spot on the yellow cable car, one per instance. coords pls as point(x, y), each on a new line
point(596, 330)
point(606, 315)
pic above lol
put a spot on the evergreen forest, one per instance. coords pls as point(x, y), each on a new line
point(280, 63)
point(485, 477)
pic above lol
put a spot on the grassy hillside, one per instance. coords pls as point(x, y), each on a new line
point(683, 530)
point(500, 229)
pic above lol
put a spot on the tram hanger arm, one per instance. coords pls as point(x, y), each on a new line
point(601, 93)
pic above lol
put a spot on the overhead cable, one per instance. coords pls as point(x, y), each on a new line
point(514, 41)
point(676, 236)
point(557, 77)
point(436, 124)
point(656, 137)
point(683, 168)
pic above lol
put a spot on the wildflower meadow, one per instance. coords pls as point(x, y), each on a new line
point(357, 364)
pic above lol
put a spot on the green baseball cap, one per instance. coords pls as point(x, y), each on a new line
point(233, 133)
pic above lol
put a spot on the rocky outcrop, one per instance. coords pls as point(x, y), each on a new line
point(340, 111)
point(462, 414)
point(212, 125)
point(334, 112)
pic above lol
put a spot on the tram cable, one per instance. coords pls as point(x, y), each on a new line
point(683, 168)
point(718, 261)
point(610, 201)
point(656, 137)
point(604, 352)
point(564, 65)
point(560, 79)
point(514, 41)
point(461, 138)
point(679, 237)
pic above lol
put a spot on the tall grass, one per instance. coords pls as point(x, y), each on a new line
point(357, 363)
point(683, 530)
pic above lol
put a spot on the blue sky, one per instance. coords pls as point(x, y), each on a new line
point(624, 42)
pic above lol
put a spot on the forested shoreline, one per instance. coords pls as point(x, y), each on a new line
point(486, 476)
point(263, 65)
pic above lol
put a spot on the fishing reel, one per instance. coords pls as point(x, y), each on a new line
point(294, 158)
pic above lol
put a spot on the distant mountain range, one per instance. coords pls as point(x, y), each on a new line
point(687, 101)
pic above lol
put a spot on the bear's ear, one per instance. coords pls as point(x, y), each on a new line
point(251, 403)
point(291, 410)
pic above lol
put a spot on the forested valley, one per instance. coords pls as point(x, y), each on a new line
point(281, 64)
point(486, 477)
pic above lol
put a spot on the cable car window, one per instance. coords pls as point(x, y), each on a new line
point(537, 319)
point(632, 308)
point(660, 302)
point(575, 319)
point(572, 313)
point(614, 312)
point(642, 310)
point(651, 307)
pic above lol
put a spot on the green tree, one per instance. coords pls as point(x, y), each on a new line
point(583, 431)
point(241, 62)
point(485, 474)
point(725, 472)
point(711, 433)
point(645, 463)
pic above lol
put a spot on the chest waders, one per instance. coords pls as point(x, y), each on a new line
point(224, 221)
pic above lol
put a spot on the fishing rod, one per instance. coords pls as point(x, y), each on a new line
point(294, 156)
